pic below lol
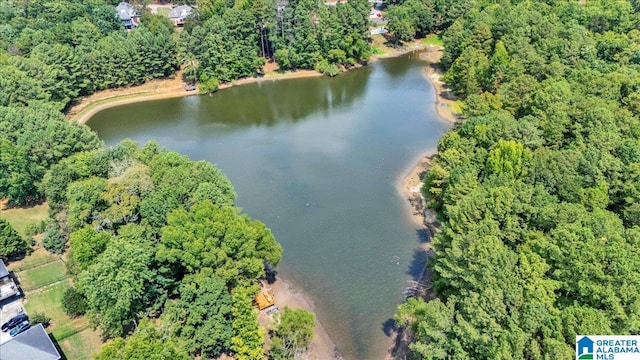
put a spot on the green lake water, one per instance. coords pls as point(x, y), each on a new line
point(318, 160)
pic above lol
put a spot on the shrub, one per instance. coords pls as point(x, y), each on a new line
point(208, 85)
point(40, 318)
point(31, 229)
point(54, 239)
point(74, 303)
point(327, 69)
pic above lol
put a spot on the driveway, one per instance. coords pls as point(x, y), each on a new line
point(9, 310)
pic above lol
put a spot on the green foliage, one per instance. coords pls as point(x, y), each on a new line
point(32, 139)
point(401, 25)
point(203, 313)
point(40, 318)
point(207, 236)
point(57, 55)
point(536, 190)
point(300, 34)
point(34, 228)
point(74, 303)
point(86, 244)
point(208, 85)
point(508, 157)
point(148, 342)
point(327, 68)
point(292, 334)
point(77, 167)
point(84, 201)
point(11, 243)
point(248, 339)
point(116, 284)
point(54, 240)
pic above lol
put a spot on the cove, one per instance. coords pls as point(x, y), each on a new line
point(318, 161)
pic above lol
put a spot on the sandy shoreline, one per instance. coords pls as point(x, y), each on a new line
point(322, 347)
point(411, 183)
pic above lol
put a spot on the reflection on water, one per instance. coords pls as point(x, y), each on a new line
point(317, 160)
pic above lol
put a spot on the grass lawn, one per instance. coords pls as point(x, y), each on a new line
point(38, 257)
point(164, 11)
point(380, 44)
point(432, 39)
point(42, 275)
point(20, 217)
point(75, 337)
point(82, 345)
point(49, 302)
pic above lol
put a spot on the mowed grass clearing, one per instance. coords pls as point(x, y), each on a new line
point(38, 257)
point(20, 217)
point(432, 39)
point(163, 11)
point(38, 273)
point(42, 275)
point(81, 346)
point(49, 302)
point(73, 335)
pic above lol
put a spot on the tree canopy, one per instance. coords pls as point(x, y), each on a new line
point(11, 243)
point(536, 187)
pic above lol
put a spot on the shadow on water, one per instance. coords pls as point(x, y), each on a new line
point(401, 65)
point(424, 235)
point(417, 285)
point(417, 264)
point(389, 327)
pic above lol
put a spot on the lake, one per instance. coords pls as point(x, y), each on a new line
point(318, 160)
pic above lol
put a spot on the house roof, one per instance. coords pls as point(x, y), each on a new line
point(3, 270)
point(180, 12)
point(126, 11)
point(33, 344)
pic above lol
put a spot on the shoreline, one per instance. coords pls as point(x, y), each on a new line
point(411, 183)
point(322, 346)
point(160, 90)
point(171, 88)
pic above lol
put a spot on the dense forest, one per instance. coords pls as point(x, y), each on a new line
point(537, 188)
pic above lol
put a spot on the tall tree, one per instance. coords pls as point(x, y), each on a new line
point(11, 243)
